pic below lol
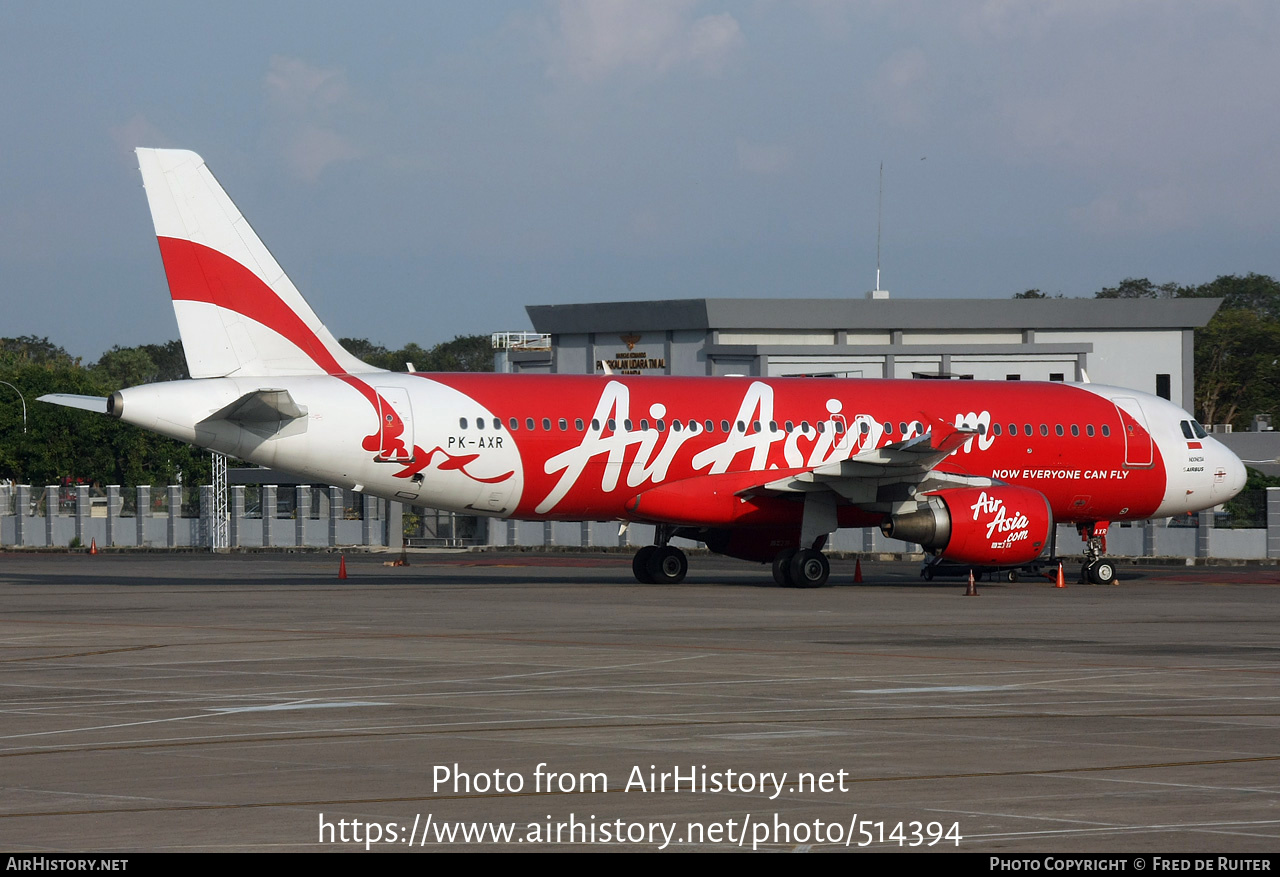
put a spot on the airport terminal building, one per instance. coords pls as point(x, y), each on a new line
point(1139, 343)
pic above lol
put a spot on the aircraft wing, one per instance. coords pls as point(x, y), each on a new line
point(881, 475)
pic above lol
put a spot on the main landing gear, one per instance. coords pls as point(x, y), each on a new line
point(803, 568)
point(660, 563)
point(1097, 569)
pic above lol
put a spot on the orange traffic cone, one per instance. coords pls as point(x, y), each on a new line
point(342, 566)
point(93, 546)
point(1061, 583)
point(403, 559)
point(857, 572)
point(972, 590)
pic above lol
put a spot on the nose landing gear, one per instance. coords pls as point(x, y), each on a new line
point(1097, 570)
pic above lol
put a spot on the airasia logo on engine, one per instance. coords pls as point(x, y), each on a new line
point(1000, 520)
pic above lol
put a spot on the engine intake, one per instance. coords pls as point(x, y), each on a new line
point(983, 526)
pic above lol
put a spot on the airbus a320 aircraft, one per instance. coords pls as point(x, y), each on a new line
point(760, 469)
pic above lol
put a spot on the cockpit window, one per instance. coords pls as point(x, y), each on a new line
point(1199, 430)
point(1186, 429)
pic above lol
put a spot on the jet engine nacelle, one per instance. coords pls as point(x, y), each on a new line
point(983, 526)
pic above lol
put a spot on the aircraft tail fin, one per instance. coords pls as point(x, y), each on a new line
point(238, 312)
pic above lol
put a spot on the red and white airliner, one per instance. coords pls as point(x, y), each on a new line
point(760, 469)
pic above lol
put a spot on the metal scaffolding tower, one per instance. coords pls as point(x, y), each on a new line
point(218, 528)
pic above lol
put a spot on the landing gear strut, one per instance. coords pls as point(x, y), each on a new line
point(1097, 569)
point(660, 563)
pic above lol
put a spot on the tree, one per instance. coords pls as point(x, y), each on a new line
point(1139, 287)
point(465, 353)
point(29, 348)
point(1030, 293)
point(1237, 374)
point(1255, 292)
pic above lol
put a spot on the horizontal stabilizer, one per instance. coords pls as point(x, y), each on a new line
point(260, 407)
point(69, 400)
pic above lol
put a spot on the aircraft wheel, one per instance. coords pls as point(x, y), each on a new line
point(782, 567)
point(667, 565)
point(640, 564)
point(927, 573)
point(1086, 573)
point(1011, 575)
point(809, 569)
point(1103, 572)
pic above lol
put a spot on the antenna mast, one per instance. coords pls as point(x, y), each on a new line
point(878, 293)
point(879, 214)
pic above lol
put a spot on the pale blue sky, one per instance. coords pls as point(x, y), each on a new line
point(426, 169)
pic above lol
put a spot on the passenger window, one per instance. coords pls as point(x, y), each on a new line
point(676, 427)
point(1013, 429)
point(514, 424)
point(903, 427)
point(1059, 430)
point(577, 424)
point(462, 422)
point(1088, 430)
point(1044, 429)
point(755, 426)
point(497, 423)
point(789, 426)
point(773, 426)
point(1106, 431)
point(661, 425)
point(724, 426)
point(628, 424)
point(1075, 431)
point(710, 425)
point(644, 424)
point(888, 428)
point(864, 428)
point(595, 424)
point(804, 427)
point(1026, 427)
point(742, 427)
point(479, 423)
point(546, 424)
point(613, 424)
point(822, 426)
point(528, 423)
point(564, 424)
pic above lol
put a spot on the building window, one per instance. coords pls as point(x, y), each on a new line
point(1057, 376)
point(1013, 377)
point(1163, 386)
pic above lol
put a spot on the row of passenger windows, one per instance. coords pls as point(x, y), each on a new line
point(661, 425)
point(790, 426)
point(1058, 429)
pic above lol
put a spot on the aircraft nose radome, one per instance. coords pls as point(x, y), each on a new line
point(1233, 479)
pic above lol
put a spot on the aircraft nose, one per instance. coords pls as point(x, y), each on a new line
point(1229, 476)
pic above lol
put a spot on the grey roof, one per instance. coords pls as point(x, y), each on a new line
point(860, 314)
